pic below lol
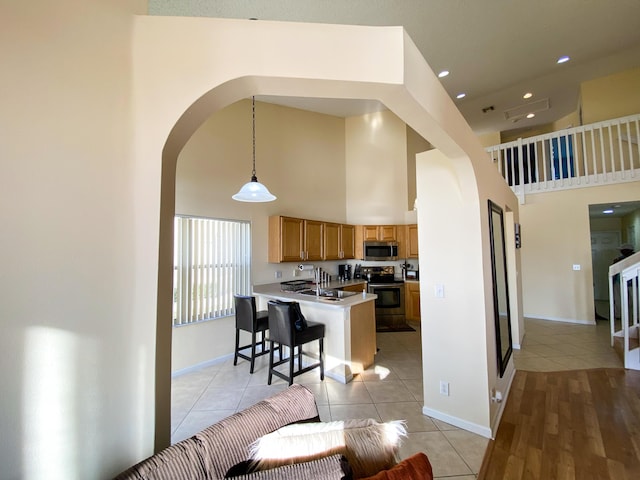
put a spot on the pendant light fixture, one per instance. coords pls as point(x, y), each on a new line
point(254, 191)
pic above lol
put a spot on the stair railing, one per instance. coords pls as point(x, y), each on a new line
point(625, 274)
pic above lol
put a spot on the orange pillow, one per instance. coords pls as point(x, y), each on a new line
point(416, 467)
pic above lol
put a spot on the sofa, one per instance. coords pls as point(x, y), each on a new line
point(222, 450)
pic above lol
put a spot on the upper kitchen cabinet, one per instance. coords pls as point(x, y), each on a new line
point(373, 233)
point(332, 246)
point(348, 240)
point(412, 241)
point(408, 241)
point(313, 240)
point(294, 239)
point(382, 233)
point(339, 241)
point(286, 239)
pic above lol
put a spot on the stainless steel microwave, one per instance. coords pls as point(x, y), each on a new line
point(380, 250)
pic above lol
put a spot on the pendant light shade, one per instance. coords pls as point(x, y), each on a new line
point(254, 191)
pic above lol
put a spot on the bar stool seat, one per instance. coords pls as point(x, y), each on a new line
point(283, 332)
point(254, 322)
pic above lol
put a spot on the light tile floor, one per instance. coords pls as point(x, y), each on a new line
point(392, 389)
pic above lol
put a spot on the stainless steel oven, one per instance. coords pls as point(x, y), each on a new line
point(390, 312)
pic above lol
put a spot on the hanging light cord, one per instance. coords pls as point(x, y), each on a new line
point(253, 116)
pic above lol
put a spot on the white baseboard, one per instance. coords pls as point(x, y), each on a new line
point(198, 366)
point(458, 422)
point(566, 320)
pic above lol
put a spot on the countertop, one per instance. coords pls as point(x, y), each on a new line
point(274, 290)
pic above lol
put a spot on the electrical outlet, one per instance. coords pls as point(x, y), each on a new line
point(444, 388)
point(576, 266)
point(278, 274)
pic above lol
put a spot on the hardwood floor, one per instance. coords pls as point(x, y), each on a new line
point(575, 424)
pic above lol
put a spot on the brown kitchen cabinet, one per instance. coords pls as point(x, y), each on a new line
point(297, 239)
point(294, 239)
point(373, 233)
point(381, 233)
point(338, 241)
point(286, 239)
point(348, 241)
point(412, 300)
point(332, 243)
point(411, 239)
point(313, 240)
point(356, 287)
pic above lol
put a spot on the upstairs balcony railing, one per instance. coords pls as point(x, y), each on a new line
point(596, 154)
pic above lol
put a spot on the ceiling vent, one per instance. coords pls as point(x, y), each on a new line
point(519, 112)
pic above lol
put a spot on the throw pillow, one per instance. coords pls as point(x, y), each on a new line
point(369, 446)
point(416, 467)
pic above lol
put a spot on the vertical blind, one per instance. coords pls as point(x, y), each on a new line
point(212, 260)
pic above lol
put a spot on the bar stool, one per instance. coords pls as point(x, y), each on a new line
point(252, 321)
point(283, 331)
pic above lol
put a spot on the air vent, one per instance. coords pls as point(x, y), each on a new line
point(521, 111)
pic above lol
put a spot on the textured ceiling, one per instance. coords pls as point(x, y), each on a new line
point(495, 50)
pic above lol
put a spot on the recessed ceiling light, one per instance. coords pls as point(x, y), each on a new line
point(607, 212)
point(461, 95)
point(563, 59)
point(531, 115)
point(527, 95)
point(443, 73)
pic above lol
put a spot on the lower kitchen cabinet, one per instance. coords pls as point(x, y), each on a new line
point(412, 300)
point(357, 287)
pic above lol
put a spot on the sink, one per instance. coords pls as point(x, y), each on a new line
point(339, 293)
point(307, 291)
point(329, 295)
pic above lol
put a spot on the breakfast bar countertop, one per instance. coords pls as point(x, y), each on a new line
point(275, 290)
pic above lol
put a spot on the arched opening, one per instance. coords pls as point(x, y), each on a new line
point(408, 88)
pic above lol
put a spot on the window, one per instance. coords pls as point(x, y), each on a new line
point(212, 262)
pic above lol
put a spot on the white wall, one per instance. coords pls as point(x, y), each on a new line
point(300, 156)
point(376, 155)
point(79, 254)
point(555, 236)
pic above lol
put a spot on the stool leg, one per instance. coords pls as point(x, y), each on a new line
point(270, 362)
point(321, 359)
point(253, 351)
point(291, 360)
point(235, 355)
point(299, 357)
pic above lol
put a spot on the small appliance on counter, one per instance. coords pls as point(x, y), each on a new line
point(412, 274)
point(357, 271)
point(409, 272)
point(344, 272)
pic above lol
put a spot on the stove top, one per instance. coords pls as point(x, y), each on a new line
point(380, 275)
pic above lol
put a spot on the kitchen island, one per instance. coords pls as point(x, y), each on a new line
point(350, 326)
